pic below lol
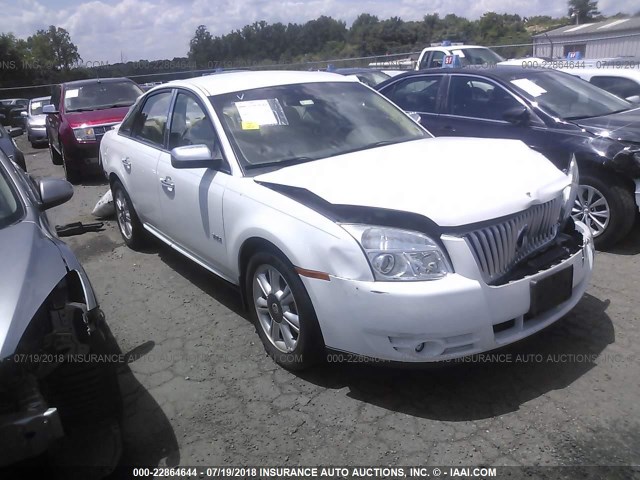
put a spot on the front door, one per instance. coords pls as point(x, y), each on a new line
point(191, 199)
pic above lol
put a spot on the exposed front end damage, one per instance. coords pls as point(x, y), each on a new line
point(56, 380)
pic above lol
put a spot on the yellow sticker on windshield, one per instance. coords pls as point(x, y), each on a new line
point(250, 125)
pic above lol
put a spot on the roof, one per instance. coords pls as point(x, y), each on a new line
point(237, 81)
point(500, 72)
point(90, 81)
point(453, 47)
point(48, 97)
point(601, 29)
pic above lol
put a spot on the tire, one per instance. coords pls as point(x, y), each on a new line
point(56, 159)
point(72, 174)
point(290, 349)
point(129, 224)
point(606, 206)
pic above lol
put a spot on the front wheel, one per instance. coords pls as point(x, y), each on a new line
point(606, 207)
point(71, 173)
point(129, 224)
point(282, 312)
point(56, 158)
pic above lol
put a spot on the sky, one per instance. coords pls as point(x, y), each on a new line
point(131, 30)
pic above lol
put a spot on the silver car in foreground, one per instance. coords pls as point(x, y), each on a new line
point(52, 332)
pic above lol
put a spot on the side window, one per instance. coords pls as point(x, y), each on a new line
point(436, 60)
point(416, 94)
point(55, 96)
point(151, 120)
point(477, 98)
point(623, 87)
point(127, 122)
point(190, 125)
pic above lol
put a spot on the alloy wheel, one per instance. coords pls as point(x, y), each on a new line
point(123, 214)
point(276, 308)
point(592, 208)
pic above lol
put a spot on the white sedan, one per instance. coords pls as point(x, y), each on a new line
point(346, 226)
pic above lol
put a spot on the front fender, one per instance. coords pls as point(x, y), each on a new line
point(308, 240)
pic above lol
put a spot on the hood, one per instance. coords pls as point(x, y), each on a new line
point(96, 117)
point(453, 181)
point(37, 120)
point(624, 126)
point(32, 268)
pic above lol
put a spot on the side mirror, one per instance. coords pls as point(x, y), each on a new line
point(15, 132)
point(24, 114)
point(415, 116)
point(517, 115)
point(194, 156)
point(633, 99)
point(49, 109)
point(54, 192)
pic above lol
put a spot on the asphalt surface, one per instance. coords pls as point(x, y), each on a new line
point(203, 392)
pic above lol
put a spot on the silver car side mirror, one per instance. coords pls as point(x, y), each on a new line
point(54, 192)
point(194, 156)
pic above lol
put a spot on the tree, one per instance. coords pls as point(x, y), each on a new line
point(583, 10)
point(200, 46)
point(53, 47)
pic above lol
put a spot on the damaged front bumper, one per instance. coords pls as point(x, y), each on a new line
point(28, 434)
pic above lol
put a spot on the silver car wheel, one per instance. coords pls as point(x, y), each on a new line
point(592, 208)
point(276, 308)
point(123, 214)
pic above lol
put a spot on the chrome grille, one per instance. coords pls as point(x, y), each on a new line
point(100, 130)
point(498, 248)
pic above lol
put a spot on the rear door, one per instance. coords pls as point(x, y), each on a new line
point(52, 122)
point(142, 143)
point(418, 94)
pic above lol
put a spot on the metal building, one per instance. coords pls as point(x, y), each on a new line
point(619, 37)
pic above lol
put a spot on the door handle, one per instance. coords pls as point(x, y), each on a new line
point(448, 128)
point(126, 163)
point(167, 183)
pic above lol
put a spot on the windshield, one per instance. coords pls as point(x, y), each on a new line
point(10, 206)
point(566, 96)
point(278, 126)
point(101, 95)
point(476, 56)
point(35, 106)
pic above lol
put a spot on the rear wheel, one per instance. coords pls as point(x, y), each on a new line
point(129, 224)
point(282, 312)
point(71, 173)
point(606, 207)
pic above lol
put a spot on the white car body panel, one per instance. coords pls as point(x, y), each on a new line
point(501, 176)
point(455, 182)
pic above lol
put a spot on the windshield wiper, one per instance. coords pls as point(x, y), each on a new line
point(81, 110)
point(582, 117)
point(281, 163)
point(115, 105)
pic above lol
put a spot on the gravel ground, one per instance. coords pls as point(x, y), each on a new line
point(203, 392)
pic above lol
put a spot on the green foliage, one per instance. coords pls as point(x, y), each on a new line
point(585, 10)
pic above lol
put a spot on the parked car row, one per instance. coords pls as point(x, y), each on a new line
point(346, 225)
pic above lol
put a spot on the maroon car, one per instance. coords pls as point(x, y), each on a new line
point(79, 115)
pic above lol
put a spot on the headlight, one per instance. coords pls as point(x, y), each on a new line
point(403, 255)
point(570, 192)
point(84, 134)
